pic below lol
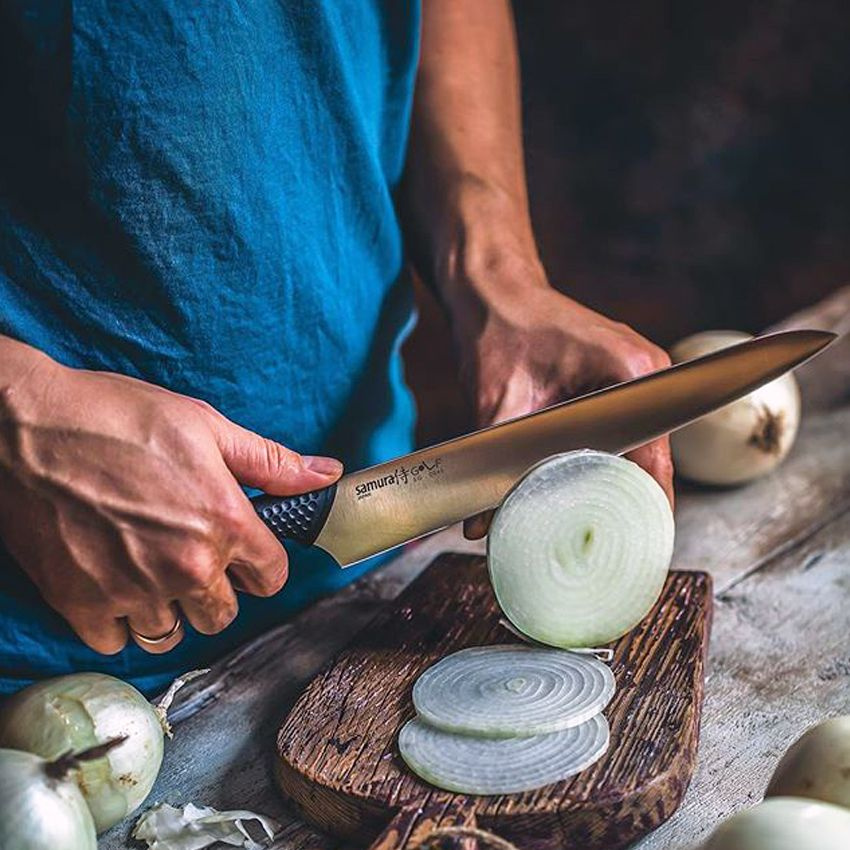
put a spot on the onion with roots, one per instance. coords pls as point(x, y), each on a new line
point(579, 549)
point(743, 440)
point(75, 712)
point(41, 806)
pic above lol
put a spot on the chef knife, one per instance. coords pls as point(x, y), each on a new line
point(379, 508)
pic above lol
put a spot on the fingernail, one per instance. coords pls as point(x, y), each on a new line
point(322, 465)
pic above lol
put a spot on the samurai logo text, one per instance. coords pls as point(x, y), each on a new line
point(401, 476)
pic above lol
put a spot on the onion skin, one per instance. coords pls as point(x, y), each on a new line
point(78, 711)
point(817, 765)
point(743, 440)
point(39, 813)
point(784, 823)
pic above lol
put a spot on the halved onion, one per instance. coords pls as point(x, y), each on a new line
point(506, 691)
point(579, 549)
point(470, 765)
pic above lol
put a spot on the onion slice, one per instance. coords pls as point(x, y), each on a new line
point(579, 549)
point(470, 765)
point(506, 691)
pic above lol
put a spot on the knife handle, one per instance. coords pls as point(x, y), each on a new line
point(298, 518)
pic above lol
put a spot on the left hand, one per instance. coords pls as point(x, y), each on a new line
point(526, 346)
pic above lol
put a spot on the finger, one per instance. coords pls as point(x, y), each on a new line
point(104, 634)
point(153, 620)
point(257, 561)
point(656, 459)
point(163, 643)
point(258, 462)
point(259, 564)
point(477, 526)
point(213, 608)
point(260, 579)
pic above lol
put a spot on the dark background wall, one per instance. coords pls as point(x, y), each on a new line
point(688, 163)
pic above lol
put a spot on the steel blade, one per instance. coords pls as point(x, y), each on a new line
point(386, 505)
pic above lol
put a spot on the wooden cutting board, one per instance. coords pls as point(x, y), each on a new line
point(338, 762)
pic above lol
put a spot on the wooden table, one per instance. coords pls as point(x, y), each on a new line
point(779, 551)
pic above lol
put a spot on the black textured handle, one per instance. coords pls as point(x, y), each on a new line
point(296, 517)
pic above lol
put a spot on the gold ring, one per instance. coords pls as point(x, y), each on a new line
point(161, 643)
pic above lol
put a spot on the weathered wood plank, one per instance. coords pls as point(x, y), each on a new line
point(779, 661)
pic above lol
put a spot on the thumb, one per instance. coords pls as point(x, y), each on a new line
point(258, 462)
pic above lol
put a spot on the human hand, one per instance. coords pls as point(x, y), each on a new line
point(527, 346)
point(121, 501)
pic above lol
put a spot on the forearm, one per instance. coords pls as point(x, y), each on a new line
point(465, 199)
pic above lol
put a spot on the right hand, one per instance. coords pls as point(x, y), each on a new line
point(121, 500)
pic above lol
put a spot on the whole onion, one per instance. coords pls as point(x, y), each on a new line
point(41, 806)
point(816, 765)
point(743, 440)
point(784, 823)
point(75, 712)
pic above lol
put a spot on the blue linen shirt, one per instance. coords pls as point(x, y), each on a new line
point(200, 195)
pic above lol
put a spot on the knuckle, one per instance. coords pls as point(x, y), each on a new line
point(155, 617)
point(105, 647)
point(103, 641)
point(639, 362)
point(274, 580)
point(110, 646)
point(644, 357)
point(205, 406)
point(278, 460)
point(218, 619)
point(232, 514)
point(203, 411)
point(197, 566)
point(660, 358)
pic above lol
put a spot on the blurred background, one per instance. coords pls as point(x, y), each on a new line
point(688, 166)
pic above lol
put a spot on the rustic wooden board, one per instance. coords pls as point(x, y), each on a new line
point(337, 758)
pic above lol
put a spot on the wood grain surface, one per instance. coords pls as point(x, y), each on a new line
point(337, 756)
point(779, 552)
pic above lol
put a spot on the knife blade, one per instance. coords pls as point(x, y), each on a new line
point(381, 507)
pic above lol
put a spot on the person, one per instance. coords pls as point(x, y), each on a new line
point(202, 291)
